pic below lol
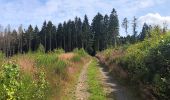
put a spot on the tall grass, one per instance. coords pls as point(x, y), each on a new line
point(59, 51)
point(47, 77)
point(81, 52)
point(46, 60)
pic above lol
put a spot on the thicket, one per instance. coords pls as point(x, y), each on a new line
point(15, 85)
point(148, 62)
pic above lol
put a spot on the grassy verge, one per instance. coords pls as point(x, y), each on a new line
point(40, 76)
point(95, 87)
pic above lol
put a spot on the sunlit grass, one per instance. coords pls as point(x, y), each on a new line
point(95, 87)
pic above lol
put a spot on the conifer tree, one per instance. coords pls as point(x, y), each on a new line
point(113, 27)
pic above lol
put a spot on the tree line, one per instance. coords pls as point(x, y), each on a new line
point(102, 33)
point(76, 33)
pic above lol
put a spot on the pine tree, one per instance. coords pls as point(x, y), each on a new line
point(49, 35)
point(36, 39)
point(43, 35)
point(98, 31)
point(85, 31)
point(145, 32)
point(29, 36)
point(60, 36)
point(54, 40)
point(79, 30)
point(113, 27)
point(106, 33)
point(64, 35)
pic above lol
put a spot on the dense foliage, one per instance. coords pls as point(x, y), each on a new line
point(15, 86)
point(147, 62)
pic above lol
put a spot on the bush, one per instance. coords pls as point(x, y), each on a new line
point(59, 51)
point(15, 86)
point(10, 84)
point(80, 52)
point(148, 62)
point(158, 61)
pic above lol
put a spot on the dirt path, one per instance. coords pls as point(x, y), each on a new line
point(82, 86)
point(112, 89)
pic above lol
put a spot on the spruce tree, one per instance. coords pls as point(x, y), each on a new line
point(106, 32)
point(113, 27)
point(35, 39)
point(43, 35)
point(98, 31)
point(49, 35)
point(29, 36)
point(85, 31)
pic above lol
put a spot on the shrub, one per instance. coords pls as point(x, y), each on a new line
point(15, 86)
point(148, 62)
point(59, 51)
point(80, 52)
point(41, 87)
point(10, 84)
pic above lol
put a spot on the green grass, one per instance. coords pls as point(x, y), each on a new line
point(76, 58)
point(81, 52)
point(59, 51)
point(95, 87)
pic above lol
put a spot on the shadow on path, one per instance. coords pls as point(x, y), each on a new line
point(111, 87)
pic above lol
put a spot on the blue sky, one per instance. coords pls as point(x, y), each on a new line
point(16, 12)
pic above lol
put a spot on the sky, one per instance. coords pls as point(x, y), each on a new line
point(25, 12)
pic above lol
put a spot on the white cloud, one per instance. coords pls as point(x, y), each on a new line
point(26, 12)
point(154, 19)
